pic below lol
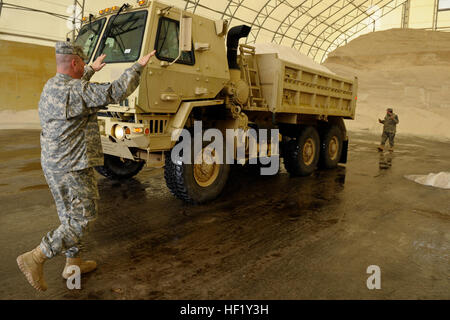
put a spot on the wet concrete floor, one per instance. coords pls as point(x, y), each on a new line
point(265, 238)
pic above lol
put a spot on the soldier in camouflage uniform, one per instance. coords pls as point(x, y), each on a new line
point(70, 148)
point(390, 128)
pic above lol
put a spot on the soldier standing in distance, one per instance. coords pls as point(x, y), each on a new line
point(70, 148)
point(390, 127)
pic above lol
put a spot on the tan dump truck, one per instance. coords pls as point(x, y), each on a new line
point(197, 75)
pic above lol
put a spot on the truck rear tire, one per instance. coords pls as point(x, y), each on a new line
point(301, 154)
point(118, 168)
point(195, 183)
point(331, 143)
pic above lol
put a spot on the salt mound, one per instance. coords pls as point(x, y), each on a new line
point(405, 69)
point(397, 42)
point(290, 55)
point(438, 180)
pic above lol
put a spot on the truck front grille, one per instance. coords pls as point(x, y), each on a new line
point(158, 126)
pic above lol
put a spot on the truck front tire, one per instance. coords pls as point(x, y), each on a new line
point(195, 183)
point(301, 153)
point(118, 168)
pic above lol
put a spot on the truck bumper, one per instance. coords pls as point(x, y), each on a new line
point(116, 148)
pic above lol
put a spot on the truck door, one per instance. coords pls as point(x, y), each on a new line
point(168, 84)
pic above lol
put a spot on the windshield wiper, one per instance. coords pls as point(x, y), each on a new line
point(111, 24)
point(90, 22)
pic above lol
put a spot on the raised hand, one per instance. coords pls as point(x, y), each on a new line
point(145, 59)
point(98, 64)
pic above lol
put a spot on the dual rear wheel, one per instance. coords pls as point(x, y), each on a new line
point(332, 141)
point(307, 150)
point(204, 181)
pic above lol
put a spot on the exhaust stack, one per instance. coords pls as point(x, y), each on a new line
point(233, 37)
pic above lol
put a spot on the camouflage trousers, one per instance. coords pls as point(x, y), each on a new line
point(76, 195)
point(388, 135)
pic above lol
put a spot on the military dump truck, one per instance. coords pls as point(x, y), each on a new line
point(201, 73)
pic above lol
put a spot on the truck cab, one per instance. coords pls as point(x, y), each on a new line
point(126, 33)
point(201, 73)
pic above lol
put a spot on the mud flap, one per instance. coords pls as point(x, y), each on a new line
point(344, 152)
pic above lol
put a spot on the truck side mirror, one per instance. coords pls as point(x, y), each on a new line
point(185, 41)
point(221, 27)
point(186, 34)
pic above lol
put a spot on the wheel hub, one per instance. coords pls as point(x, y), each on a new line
point(206, 168)
point(333, 148)
point(309, 152)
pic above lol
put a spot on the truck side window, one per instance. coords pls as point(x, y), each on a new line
point(167, 43)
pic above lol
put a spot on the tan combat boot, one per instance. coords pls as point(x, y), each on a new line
point(85, 266)
point(32, 266)
point(391, 149)
point(381, 148)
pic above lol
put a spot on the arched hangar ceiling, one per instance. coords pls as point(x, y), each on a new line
point(314, 27)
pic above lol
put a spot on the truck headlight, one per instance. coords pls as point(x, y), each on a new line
point(118, 132)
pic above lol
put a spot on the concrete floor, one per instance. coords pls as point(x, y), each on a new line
point(265, 238)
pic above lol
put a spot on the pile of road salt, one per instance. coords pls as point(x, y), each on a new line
point(438, 180)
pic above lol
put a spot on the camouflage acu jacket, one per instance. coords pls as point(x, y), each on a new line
point(390, 125)
point(70, 138)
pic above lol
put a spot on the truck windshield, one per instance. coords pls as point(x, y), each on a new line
point(122, 40)
point(88, 36)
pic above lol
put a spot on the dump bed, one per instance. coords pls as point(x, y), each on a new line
point(292, 88)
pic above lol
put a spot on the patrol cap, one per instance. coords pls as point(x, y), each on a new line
point(66, 47)
point(390, 110)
